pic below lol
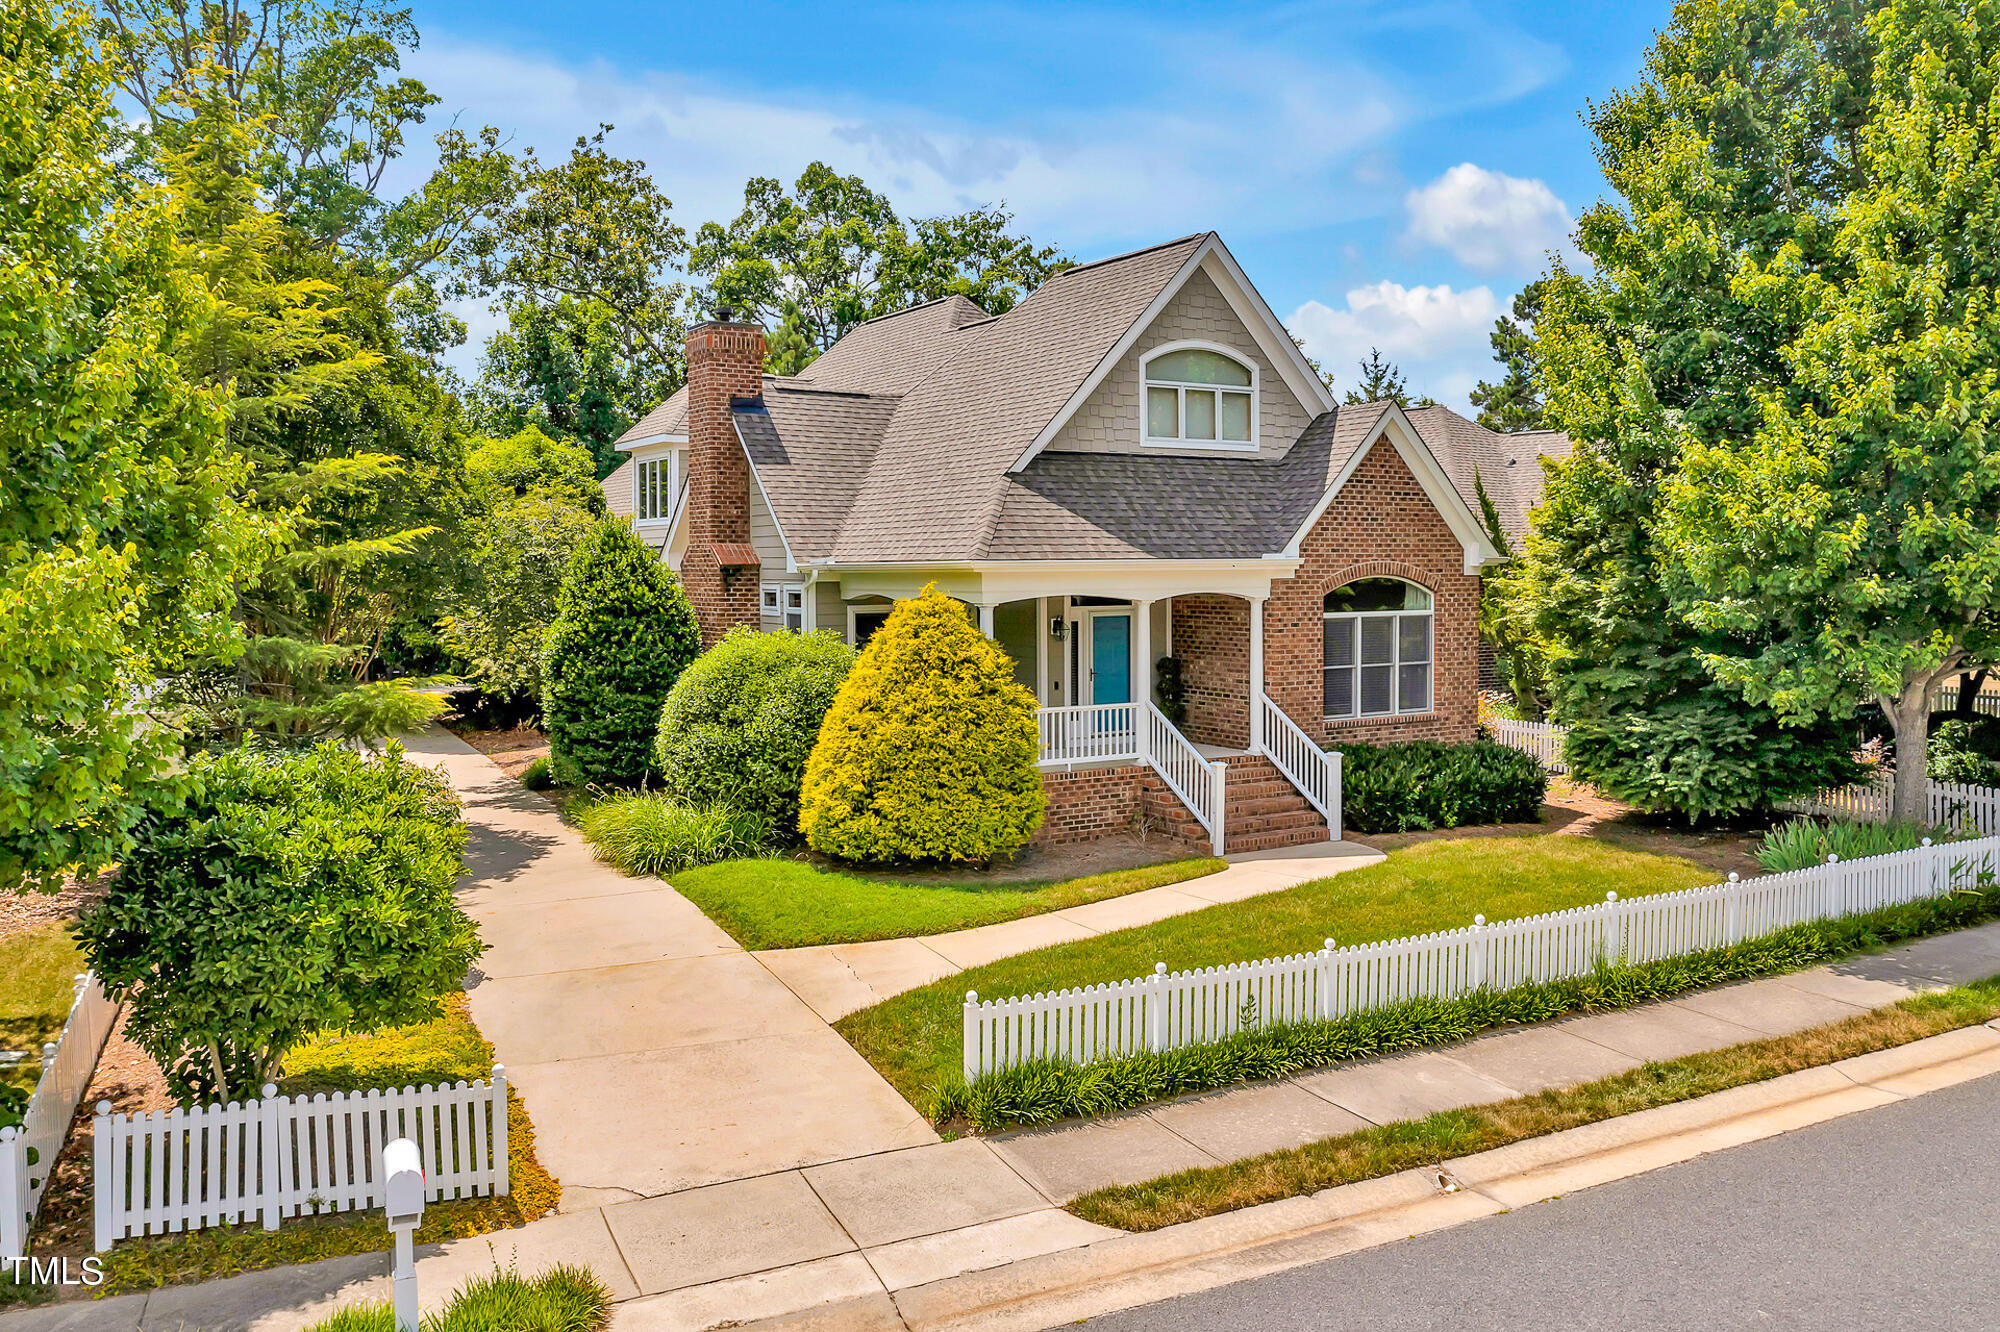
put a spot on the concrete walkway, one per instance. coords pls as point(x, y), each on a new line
point(837, 979)
point(654, 1054)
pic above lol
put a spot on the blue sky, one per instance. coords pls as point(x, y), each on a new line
point(1388, 174)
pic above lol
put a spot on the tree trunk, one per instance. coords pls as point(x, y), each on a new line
point(1969, 686)
point(1910, 718)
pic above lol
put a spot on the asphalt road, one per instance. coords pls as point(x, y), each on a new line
point(1886, 1219)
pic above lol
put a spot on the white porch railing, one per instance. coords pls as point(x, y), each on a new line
point(67, 1065)
point(1165, 1011)
point(209, 1165)
point(1315, 771)
point(1196, 780)
point(1542, 739)
point(1094, 733)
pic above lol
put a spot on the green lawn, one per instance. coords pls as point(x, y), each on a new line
point(913, 1039)
point(38, 970)
point(777, 903)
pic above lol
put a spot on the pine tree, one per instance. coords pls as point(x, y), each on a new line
point(1515, 403)
point(789, 349)
point(1380, 380)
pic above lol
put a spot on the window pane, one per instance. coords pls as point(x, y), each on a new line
point(1340, 692)
point(1236, 416)
point(1339, 642)
point(1416, 688)
point(1378, 684)
point(1195, 366)
point(1200, 415)
point(770, 598)
point(1374, 594)
point(1162, 413)
point(795, 621)
point(1377, 640)
point(795, 597)
point(1413, 637)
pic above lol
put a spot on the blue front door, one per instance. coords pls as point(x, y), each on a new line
point(1111, 659)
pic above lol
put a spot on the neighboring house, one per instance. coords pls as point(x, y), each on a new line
point(1135, 462)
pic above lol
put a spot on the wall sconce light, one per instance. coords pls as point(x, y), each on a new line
point(1058, 627)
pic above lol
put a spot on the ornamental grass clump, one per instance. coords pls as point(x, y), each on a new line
point(1800, 843)
point(740, 723)
point(649, 833)
point(623, 633)
point(566, 1298)
point(929, 750)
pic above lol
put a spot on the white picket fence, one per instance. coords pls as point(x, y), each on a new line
point(28, 1152)
point(1542, 739)
point(185, 1169)
point(1946, 804)
point(1986, 702)
point(1168, 1010)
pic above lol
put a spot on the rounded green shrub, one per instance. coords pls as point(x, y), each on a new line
point(622, 635)
point(740, 723)
point(1424, 784)
point(929, 750)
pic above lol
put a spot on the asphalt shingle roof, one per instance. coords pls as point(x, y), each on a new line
point(1509, 465)
point(811, 449)
point(893, 353)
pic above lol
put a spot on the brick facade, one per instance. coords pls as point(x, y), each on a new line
point(1129, 798)
point(724, 361)
point(1212, 642)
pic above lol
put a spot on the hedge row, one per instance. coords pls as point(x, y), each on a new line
point(1424, 784)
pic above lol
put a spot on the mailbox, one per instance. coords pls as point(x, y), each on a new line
point(403, 1189)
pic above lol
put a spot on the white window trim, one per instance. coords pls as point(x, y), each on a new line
point(855, 609)
point(668, 467)
point(774, 603)
point(1177, 442)
point(1395, 662)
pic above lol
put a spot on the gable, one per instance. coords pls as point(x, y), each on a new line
point(1109, 419)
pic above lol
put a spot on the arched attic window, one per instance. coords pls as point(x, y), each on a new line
point(1378, 648)
point(1197, 396)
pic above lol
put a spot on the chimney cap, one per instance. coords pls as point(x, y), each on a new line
point(725, 314)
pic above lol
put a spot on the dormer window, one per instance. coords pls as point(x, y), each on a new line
point(1200, 397)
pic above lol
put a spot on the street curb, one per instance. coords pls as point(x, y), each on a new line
point(1135, 1269)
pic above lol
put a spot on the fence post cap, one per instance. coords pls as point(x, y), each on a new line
point(972, 996)
point(1611, 897)
point(1832, 858)
point(1733, 877)
point(48, 1051)
point(104, 1107)
point(9, 1133)
point(270, 1090)
point(1926, 842)
point(1478, 922)
point(1329, 945)
point(1159, 968)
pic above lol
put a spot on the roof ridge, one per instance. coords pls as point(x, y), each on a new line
point(806, 386)
point(925, 305)
point(1129, 254)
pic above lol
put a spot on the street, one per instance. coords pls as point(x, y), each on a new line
point(1885, 1219)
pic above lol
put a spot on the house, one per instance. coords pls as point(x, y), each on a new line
point(1134, 463)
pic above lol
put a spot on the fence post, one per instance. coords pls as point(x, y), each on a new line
point(13, 1194)
point(969, 1038)
point(1614, 930)
point(107, 1173)
point(1732, 910)
point(271, 1130)
point(1156, 1008)
point(1325, 1005)
point(502, 1162)
point(1476, 972)
point(1829, 893)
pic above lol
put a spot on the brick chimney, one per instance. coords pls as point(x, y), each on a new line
point(725, 360)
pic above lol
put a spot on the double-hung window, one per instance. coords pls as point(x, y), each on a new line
point(1378, 658)
point(1198, 398)
point(653, 488)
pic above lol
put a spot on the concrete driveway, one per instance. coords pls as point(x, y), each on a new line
point(654, 1054)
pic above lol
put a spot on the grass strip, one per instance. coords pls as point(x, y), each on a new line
point(913, 1039)
point(1387, 1149)
point(1046, 1091)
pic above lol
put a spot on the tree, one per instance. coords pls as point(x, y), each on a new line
point(559, 368)
point(788, 350)
point(929, 750)
point(1515, 651)
point(1736, 144)
point(841, 253)
point(285, 896)
point(1381, 380)
point(622, 635)
point(1515, 403)
point(739, 724)
point(1847, 543)
point(120, 530)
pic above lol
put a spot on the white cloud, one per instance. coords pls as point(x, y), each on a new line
point(1486, 219)
point(1436, 335)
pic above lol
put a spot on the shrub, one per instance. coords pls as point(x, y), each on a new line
point(517, 554)
point(1699, 754)
point(1045, 1091)
point(647, 833)
point(1803, 842)
point(741, 721)
point(1424, 784)
point(929, 750)
point(286, 895)
point(622, 635)
point(1964, 751)
point(566, 1298)
point(539, 775)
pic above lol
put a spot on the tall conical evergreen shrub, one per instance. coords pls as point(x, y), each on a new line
point(929, 750)
point(623, 633)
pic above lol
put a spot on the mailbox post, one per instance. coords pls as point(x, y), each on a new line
point(403, 1191)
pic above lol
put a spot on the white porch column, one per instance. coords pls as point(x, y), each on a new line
point(1041, 652)
point(1256, 675)
point(986, 618)
point(1142, 653)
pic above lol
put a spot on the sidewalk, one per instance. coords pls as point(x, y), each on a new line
point(837, 979)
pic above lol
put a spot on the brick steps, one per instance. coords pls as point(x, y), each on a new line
point(1263, 811)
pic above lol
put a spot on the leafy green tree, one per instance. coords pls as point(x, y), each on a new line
point(558, 367)
point(840, 253)
point(741, 721)
point(1515, 403)
point(929, 750)
point(1737, 143)
point(1515, 650)
point(528, 462)
point(1848, 542)
point(622, 635)
point(120, 530)
point(285, 896)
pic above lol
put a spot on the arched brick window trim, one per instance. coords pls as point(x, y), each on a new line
point(1409, 573)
